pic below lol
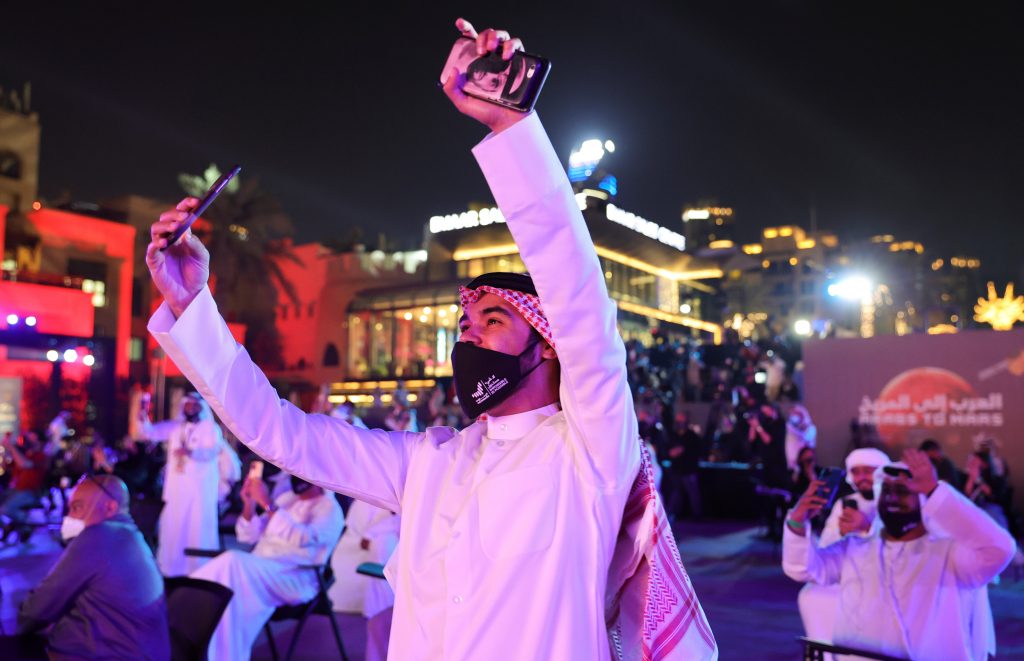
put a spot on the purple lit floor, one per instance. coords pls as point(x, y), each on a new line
point(751, 605)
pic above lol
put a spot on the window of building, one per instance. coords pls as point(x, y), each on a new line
point(626, 283)
point(98, 289)
point(405, 342)
point(10, 165)
point(331, 357)
point(136, 348)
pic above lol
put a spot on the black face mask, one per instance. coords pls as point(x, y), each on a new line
point(300, 486)
point(485, 378)
point(898, 524)
point(192, 417)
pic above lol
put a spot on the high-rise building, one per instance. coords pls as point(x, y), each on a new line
point(708, 226)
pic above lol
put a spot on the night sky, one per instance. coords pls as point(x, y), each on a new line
point(902, 118)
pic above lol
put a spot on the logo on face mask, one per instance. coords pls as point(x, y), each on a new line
point(484, 389)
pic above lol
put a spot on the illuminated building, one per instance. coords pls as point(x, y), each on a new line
point(373, 317)
point(708, 226)
point(65, 310)
point(781, 279)
point(786, 277)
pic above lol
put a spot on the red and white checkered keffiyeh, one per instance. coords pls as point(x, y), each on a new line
point(526, 304)
point(651, 608)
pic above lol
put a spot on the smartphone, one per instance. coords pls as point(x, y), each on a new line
point(850, 504)
point(832, 477)
point(895, 471)
point(514, 83)
point(256, 470)
point(204, 204)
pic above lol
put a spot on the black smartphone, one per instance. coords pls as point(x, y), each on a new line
point(850, 504)
point(832, 477)
point(514, 83)
point(204, 204)
point(896, 471)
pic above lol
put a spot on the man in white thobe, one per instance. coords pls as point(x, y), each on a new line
point(819, 604)
point(508, 527)
point(299, 528)
point(371, 534)
point(904, 591)
point(189, 517)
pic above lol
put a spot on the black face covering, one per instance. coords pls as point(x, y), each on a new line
point(898, 524)
point(300, 486)
point(485, 378)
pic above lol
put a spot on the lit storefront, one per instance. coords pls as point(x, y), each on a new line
point(409, 332)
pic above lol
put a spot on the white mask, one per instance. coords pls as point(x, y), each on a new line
point(71, 527)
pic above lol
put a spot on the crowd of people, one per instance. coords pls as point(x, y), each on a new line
point(535, 531)
point(186, 471)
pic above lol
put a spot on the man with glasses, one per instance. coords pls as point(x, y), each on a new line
point(104, 597)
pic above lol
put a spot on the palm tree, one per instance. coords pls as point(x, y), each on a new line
point(247, 247)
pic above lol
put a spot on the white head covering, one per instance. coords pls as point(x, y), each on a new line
point(864, 457)
point(192, 396)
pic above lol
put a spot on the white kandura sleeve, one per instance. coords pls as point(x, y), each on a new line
point(981, 548)
point(364, 464)
point(534, 194)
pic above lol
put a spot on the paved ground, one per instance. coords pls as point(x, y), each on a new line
point(750, 603)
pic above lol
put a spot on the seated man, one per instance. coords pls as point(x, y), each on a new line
point(105, 596)
point(904, 590)
point(371, 535)
point(300, 528)
point(819, 603)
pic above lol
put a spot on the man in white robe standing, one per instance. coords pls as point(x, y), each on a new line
point(905, 591)
point(189, 517)
point(299, 528)
point(509, 527)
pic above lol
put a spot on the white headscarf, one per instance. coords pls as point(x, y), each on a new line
point(864, 457)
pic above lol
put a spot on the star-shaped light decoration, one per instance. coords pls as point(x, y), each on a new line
point(1001, 313)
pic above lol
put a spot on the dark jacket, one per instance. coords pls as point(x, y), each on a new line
point(105, 598)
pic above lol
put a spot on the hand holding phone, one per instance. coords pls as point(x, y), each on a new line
point(497, 104)
point(512, 83)
point(831, 478)
point(204, 204)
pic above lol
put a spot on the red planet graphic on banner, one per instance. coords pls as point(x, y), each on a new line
point(914, 388)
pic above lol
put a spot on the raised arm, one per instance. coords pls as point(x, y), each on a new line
point(534, 194)
point(370, 465)
point(981, 548)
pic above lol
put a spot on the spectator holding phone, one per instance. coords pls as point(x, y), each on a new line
point(854, 514)
point(905, 590)
point(520, 535)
